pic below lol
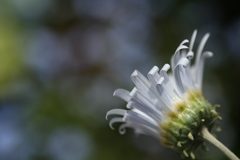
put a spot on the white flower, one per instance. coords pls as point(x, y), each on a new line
point(169, 107)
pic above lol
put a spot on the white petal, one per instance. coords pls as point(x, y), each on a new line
point(200, 67)
point(120, 112)
point(192, 40)
point(176, 57)
point(140, 81)
point(143, 98)
point(179, 74)
point(122, 128)
point(170, 88)
point(135, 117)
point(123, 94)
point(190, 77)
point(156, 114)
point(115, 120)
point(163, 94)
point(139, 128)
point(200, 48)
point(190, 55)
point(153, 75)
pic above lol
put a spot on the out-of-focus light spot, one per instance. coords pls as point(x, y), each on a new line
point(11, 134)
point(9, 139)
point(98, 9)
point(90, 45)
point(47, 54)
point(32, 8)
point(70, 144)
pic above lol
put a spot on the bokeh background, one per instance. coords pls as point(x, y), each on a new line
point(61, 60)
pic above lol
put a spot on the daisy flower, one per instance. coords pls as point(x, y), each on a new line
point(170, 106)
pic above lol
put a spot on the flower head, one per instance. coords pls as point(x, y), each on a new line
point(170, 107)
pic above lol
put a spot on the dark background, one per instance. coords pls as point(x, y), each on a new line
point(61, 60)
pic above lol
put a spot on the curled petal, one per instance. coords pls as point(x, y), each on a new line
point(123, 94)
point(141, 118)
point(122, 128)
point(176, 57)
point(115, 120)
point(179, 74)
point(182, 46)
point(120, 112)
point(190, 55)
point(139, 129)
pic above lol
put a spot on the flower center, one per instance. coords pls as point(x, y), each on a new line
point(181, 129)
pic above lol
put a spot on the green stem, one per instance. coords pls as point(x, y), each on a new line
point(210, 138)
